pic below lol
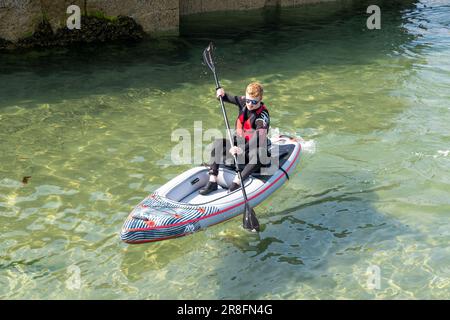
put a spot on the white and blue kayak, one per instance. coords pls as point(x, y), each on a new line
point(177, 209)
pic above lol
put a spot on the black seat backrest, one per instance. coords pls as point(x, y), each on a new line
point(284, 151)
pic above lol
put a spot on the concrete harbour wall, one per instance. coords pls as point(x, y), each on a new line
point(20, 18)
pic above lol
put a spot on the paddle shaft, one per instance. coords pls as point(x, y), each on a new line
point(249, 221)
point(227, 124)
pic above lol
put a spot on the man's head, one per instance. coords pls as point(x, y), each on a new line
point(253, 95)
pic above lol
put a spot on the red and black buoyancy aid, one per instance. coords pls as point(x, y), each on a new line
point(247, 128)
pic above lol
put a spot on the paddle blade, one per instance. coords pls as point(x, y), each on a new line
point(250, 221)
point(207, 56)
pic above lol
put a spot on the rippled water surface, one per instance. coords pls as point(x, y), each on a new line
point(92, 127)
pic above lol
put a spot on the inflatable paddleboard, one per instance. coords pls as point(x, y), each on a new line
point(177, 209)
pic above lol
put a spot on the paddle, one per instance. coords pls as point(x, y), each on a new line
point(250, 221)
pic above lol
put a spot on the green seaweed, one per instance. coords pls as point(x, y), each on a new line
point(101, 15)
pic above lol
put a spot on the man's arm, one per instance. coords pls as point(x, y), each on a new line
point(263, 120)
point(236, 100)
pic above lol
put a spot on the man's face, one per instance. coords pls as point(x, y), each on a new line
point(250, 102)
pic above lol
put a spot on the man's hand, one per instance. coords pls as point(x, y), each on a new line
point(220, 92)
point(235, 150)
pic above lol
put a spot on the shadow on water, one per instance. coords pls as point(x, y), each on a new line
point(49, 76)
point(318, 245)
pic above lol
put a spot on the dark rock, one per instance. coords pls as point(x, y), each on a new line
point(93, 30)
point(5, 44)
point(42, 37)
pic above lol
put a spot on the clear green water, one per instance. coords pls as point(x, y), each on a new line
point(87, 124)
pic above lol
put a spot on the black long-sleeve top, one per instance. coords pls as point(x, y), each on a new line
point(262, 121)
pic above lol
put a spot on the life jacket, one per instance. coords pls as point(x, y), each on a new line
point(247, 128)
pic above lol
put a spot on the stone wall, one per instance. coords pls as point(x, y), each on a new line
point(19, 18)
point(155, 16)
point(188, 7)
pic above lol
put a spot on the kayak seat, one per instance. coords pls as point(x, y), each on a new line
point(280, 154)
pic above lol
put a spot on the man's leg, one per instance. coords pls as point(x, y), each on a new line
point(217, 157)
point(255, 158)
point(253, 165)
point(218, 154)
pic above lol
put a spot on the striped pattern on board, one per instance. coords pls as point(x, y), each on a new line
point(155, 212)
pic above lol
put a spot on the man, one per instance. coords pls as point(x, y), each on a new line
point(252, 126)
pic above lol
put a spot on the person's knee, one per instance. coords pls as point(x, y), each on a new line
point(213, 171)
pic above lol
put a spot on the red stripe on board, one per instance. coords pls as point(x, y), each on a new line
point(158, 239)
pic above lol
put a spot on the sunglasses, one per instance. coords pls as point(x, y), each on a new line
point(251, 101)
